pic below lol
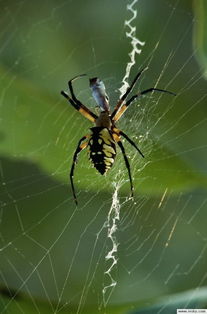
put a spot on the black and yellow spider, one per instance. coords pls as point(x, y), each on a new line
point(102, 141)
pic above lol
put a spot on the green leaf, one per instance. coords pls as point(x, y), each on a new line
point(200, 33)
point(165, 170)
point(18, 303)
point(195, 299)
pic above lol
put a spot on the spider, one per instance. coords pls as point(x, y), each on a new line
point(104, 135)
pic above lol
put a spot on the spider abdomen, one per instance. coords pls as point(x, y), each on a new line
point(102, 149)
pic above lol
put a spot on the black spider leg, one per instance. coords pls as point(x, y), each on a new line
point(75, 157)
point(71, 89)
point(70, 100)
point(132, 84)
point(74, 101)
point(125, 106)
point(127, 166)
point(129, 89)
point(149, 90)
point(77, 104)
point(131, 142)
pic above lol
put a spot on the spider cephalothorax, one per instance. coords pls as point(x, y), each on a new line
point(104, 135)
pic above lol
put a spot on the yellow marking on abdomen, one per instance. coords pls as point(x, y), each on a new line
point(108, 164)
point(105, 135)
point(108, 154)
point(108, 160)
point(107, 148)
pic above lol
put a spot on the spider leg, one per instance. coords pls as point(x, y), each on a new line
point(149, 90)
point(77, 104)
point(70, 100)
point(71, 87)
point(127, 165)
point(129, 89)
point(131, 142)
point(79, 148)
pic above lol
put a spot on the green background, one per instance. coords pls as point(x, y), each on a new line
point(53, 254)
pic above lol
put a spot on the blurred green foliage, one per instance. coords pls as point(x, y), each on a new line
point(200, 36)
point(168, 305)
point(44, 237)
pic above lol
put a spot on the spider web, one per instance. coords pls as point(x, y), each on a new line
point(109, 250)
